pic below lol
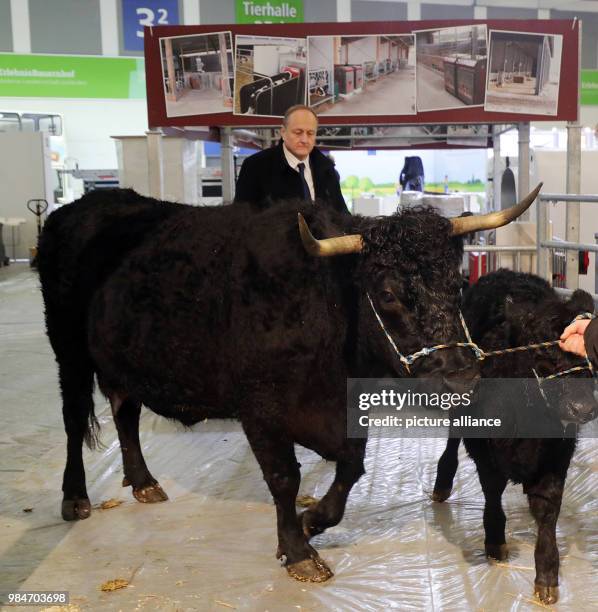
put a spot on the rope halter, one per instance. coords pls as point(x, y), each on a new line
point(408, 360)
point(480, 354)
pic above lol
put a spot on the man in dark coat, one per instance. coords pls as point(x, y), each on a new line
point(292, 169)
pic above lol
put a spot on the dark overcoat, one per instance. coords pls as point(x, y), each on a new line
point(266, 177)
point(591, 341)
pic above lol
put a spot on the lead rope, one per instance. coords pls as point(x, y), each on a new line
point(479, 353)
point(587, 366)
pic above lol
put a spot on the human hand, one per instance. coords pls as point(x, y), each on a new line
point(572, 337)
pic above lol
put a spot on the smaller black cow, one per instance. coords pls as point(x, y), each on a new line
point(508, 309)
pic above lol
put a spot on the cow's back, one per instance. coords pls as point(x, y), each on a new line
point(83, 242)
point(232, 299)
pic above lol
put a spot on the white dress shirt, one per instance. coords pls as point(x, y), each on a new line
point(294, 162)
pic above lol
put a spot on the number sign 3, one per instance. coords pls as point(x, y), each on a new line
point(139, 13)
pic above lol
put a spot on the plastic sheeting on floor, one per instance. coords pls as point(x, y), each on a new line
point(212, 546)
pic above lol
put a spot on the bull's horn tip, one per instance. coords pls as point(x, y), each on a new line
point(303, 227)
point(302, 222)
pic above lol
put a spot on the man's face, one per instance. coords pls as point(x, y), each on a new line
point(300, 134)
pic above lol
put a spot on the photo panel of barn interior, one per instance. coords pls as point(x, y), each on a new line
point(197, 73)
point(269, 75)
point(450, 67)
point(362, 75)
point(524, 73)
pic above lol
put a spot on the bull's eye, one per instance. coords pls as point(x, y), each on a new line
point(387, 297)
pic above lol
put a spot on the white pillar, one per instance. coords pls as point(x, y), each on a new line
point(155, 168)
point(413, 11)
point(191, 12)
point(228, 170)
point(573, 186)
point(179, 161)
point(109, 27)
point(523, 172)
point(542, 235)
point(343, 10)
point(496, 168)
point(21, 28)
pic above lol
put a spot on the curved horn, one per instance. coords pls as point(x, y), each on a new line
point(328, 247)
point(476, 223)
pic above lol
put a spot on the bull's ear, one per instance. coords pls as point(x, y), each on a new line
point(580, 301)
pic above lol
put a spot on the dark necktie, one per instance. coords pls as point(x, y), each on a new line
point(306, 192)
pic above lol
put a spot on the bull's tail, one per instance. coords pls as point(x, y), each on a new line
point(66, 328)
point(91, 437)
point(76, 376)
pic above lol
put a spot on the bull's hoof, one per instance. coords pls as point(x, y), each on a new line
point(150, 494)
point(546, 594)
point(310, 570)
point(76, 509)
point(440, 495)
point(500, 552)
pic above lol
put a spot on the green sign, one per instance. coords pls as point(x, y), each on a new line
point(589, 87)
point(269, 11)
point(71, 76)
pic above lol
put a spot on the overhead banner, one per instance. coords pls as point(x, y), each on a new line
point(589, 87)
point(269, 11)
point(370, 73)
point(70, 76)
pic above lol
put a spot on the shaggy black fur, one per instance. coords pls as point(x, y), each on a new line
point(219, 312)
point(80, 247)
point(508, 309)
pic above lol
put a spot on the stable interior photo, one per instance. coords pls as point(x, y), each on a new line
point(269, 75)
point(361, 75)
point(451, 67)
point(198, 74)
point(524, 72)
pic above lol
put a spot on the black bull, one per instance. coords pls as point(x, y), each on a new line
point(223, 313)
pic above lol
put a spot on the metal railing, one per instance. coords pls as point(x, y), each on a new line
point(554, 268)
point(550, 255)
point(494, 259)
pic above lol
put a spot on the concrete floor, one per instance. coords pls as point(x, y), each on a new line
point(211, 546)
point(391, 94)
point(197, 102)
point(516, 98)
point(431, 94)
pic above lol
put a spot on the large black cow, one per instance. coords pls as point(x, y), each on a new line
point(509, 309)
point(221, 312)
